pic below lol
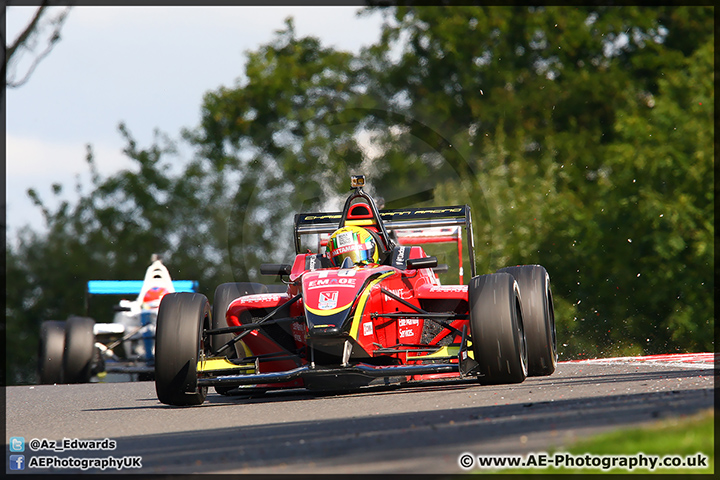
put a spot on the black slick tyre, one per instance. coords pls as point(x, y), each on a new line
point(178, 346)
point(496, 329)
point(538, 317)
point(79, 350)
point(50, 352)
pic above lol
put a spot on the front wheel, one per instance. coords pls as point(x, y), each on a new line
point(538, 317)
point(496, 328)
point(178, 347)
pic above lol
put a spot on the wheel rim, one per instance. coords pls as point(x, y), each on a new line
point(521, 338)
point(551, 323)
point(204, 347)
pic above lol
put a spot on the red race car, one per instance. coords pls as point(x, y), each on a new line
point(361, 310)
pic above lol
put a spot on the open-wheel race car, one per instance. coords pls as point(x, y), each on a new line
point(76, 350)
point(367, 310)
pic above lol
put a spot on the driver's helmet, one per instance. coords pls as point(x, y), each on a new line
point(153, 296)
point(354, 243)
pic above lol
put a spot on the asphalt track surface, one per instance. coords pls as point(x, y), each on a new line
point(420, 429)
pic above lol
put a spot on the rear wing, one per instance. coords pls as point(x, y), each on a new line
point(399, 219)
point(130, 287)
point(434, 235)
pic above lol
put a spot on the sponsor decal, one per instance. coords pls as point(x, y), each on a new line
point(405, 333)
point(346, 238)
point(400, 259)
point(400, 292)
point(436, 211)
point(403, 322)
point(439, 210)
point(351, 248)
point(267, 297)
point(367, 328)
point(328, 300)
point(449, 289)
point(298, 331)
point(335, 282)
point(322, 217)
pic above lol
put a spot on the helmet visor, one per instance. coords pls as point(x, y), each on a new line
point(355, 253)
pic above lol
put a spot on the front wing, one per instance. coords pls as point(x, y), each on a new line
point(222, 372)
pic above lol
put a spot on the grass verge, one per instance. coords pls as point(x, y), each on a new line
point(685, 439)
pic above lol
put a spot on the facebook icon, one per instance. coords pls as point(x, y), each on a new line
point(17, 462)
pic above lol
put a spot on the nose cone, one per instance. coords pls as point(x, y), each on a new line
point(327, 325)
point(328, 297)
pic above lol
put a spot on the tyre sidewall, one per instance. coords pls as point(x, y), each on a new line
point(496, 328)
point(79, 350)
point(538, 317)
point(51, 351)
point(180, 323)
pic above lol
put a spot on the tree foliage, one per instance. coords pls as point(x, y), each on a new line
point(556, 111)
point(582, 137)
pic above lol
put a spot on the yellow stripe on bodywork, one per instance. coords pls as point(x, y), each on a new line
point(448, 351)
point(355, 327)
point(212, 364)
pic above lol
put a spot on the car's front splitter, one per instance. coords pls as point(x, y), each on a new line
point(308, 372)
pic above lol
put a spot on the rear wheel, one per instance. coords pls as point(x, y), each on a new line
point(79, 350)
point(224, 295)
point(496, 328)
point(179, 345)
point(50, 352)
point(538, 317)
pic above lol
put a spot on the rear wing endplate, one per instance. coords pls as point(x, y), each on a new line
point(400, 219)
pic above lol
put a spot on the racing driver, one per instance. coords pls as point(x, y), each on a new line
point(352, 245)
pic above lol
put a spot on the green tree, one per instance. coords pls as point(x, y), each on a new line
point(654, 242)
point(534, 99)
